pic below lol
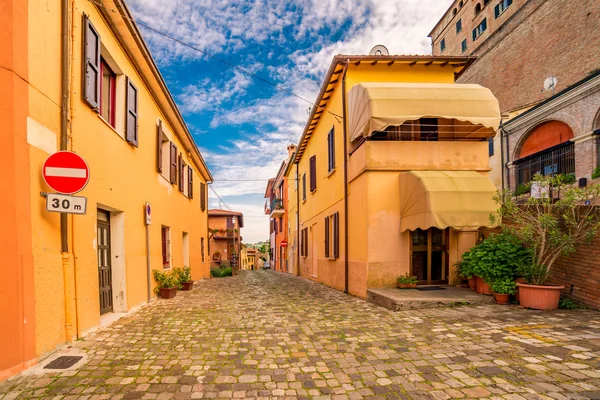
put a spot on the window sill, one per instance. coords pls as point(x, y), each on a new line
point(330, 173)
point(112, 128)
point(165, 178)
point(313, 191)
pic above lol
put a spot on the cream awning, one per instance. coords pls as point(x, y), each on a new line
point(373, 106)
point(461, 200)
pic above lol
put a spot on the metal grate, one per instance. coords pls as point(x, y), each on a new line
point(555, 161)
point(63, 362)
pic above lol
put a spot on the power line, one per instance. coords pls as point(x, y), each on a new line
point(229, 64)
point(219, 197)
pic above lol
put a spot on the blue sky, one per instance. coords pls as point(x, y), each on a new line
point(242, 125)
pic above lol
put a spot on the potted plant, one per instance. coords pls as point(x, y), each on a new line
point(552, 224)
point(185, 278)
point(465, 269)
point(166, 284)
point(502, 290)
point(407, 282)
point(462, 276)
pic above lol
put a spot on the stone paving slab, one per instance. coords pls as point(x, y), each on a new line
point(266, 335)
point(413, 299)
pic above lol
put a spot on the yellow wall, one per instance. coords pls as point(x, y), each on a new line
point(122, 179)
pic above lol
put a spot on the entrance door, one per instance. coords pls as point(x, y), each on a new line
point(429, 256)
point(104, 268)
point(313, 258)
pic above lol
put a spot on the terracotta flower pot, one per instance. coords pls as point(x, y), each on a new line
point(407, 285)
point(502, 298)
point(187, 285)
point(539, 297)
point(168, 293)
point(519, 280)
point(473, 283)
point(483, 287)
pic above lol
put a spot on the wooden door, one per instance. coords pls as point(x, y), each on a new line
point(104, 267)
point(429, 256)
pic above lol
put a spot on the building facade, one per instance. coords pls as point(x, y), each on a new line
point(98, 94)
point(385, 193)
point(225, 245)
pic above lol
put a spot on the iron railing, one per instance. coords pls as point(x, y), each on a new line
point(276, 204)
point(555, 161)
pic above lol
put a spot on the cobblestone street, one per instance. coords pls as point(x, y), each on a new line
point(266, 335)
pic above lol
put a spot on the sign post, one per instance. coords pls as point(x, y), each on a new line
point(67, 173)
point(66, 204)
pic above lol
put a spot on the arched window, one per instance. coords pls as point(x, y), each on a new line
point(461, 4)
point(547, 150)
point(485, 2)
point(454, 11)
point(477, 8)
point(597, 123)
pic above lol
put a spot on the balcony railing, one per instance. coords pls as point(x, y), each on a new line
point(276, 204)
point(556, 161)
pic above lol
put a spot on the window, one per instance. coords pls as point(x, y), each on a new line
point(331, 150)
point(173, 162)
point(501, 7)
point(478, 31)
point(313, 173)
point(91, 64)
point(304, 186)
point(181, 168)
point(202, 248)
point(108, 88)
point(491, 146)
point(477, 8)
point(304, 242)
point(190, 185)
point(463, 45)
point(332, 236)
point(162, 149)
point(458, 25)
point(429, 129)
point(202, 196)
point(558, 159)
point(165, 233)
point(131, 121)
point(454, 12)
point(280, 224)
point(443, 44)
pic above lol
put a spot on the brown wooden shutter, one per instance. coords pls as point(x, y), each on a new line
point(91, 64)
point(131, 119)
point(313, 173)
point(173, 172)
point(159, 141)
point(181, 183)
point(302, 244)
point(336, 235)
point(326, 237)
point(190, 182)
point(304, 186)
point(202, 196)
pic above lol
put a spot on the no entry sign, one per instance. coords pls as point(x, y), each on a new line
point(66, 172)
point(283, 243)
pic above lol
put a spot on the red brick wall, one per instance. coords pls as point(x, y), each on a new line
point(556, 38)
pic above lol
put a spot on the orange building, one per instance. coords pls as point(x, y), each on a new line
point(276, 207)
point(225, 245)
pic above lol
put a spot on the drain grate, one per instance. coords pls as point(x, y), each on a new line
point(63, 362)
point(427, 288)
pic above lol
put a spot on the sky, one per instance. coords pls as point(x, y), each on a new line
point(241, 124)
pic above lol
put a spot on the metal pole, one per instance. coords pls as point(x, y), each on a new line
point(346, 265)
point(148, 262)
point(64, 244)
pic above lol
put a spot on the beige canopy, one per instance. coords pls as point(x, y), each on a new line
point(462, 200)
point(373, 106)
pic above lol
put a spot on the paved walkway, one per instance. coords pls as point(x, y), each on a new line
point(265, 334)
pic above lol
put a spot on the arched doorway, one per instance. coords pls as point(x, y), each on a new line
point(547, 150)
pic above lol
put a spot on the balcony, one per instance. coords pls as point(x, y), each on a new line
point(277, 209)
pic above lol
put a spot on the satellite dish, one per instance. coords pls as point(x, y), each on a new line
point(379, 50)
point(550, 83)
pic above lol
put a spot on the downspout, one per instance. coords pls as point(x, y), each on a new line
point(502, 164)
point(297, 223)
point(344, 130)
point(507, 159)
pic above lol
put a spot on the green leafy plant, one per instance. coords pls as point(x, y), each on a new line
point(227, 271)
point(183, 275)
point(504, 286)
point(568, 304)
point(564, 179)
point(522, 189)
point(551, 227)
point(464, 269)
point(496, 258)
point(408, 279)
point(596, 173)
point(165, 280)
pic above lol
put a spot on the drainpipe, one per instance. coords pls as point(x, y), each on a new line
point(502, 164)
point(297, 223)
point(344, 130)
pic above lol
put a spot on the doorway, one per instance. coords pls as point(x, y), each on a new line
point(429, 256)
point(314, 250)
point(104, 263)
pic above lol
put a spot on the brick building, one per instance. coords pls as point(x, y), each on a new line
point(225, 243)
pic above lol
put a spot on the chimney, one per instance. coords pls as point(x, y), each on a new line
point(291, 149)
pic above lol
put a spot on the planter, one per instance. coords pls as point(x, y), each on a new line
point(519, 280)
point(407, 285)
point(483, 287)
point(503, 299)
point(187, 285)
point(539, 297)
point(168, 293)
point(473, 283)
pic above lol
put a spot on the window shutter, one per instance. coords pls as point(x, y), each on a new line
point(91, 64)
point(326, 237)
point(483, 25)
point(302, 243)
point(336, 235)
point(313, 173)
point(474, 34)
point(304, 186)
point(331, 149)
point(497, 11)
point(181, 182)
point(173, 172)
point(159, 141)
point(190, 182)
point(202, 196)
point(131, 121)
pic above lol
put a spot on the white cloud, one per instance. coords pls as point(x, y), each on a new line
point(209, 95)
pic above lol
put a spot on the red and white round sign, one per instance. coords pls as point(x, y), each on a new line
point(283, 243)
point(66, 172)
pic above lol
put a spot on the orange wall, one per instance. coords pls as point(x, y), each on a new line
point(17, 310)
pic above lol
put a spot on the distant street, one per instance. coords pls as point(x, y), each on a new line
point(266, 334)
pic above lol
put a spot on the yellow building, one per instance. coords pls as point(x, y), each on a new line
point(93, 88)
point(392, 172)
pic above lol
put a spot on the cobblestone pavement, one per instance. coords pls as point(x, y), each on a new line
point(269, 335)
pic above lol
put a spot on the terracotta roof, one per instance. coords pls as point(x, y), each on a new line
point(215, 212)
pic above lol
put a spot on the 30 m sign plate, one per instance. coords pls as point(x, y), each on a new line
point(66, 204)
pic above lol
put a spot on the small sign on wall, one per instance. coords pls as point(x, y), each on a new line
point(148, 213)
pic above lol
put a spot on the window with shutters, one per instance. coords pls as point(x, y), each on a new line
point(491, 146)
point(332, 236)
point(190, 182)
point(131, 119)
point(304, 242)
point(181, 181)
point(443, 45)
point(91, 64)
point(463, 45)
point(108, 88)
point(331, 150)
point(173, 164)
point(313, 173)
point(163, 151)
point(459, 26)
point(479, 29)
point(501, 7)
point(202, 196)
point(165, 233)
point(304, 187)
